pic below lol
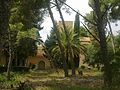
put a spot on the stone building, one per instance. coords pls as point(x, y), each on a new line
point(39, 60)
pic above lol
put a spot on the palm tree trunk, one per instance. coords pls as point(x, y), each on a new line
point(59, 42)
point(67, 37)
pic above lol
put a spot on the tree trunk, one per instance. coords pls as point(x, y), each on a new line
point(67, 38)
point(65, 67)
point(103, 45)
point(10, 58)
point(4, 23)
point(4, 28)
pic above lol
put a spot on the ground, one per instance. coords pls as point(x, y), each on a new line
point(52, 80)
point(55, 80)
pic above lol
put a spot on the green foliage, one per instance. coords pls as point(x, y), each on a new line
point(109, 7)
point(115, 11)
point(74, 87)
point(14, 81)
point(83, 32)
point(90, 54)
point(77, 24)
point(16, 26)
point(20, 69)
point(26, 47)
point(3, 69)
point(23, 18)
point(53, 48)
point(31, 33)
point(91, 16)
point(93, 57)
point(101, 16)
point(29, 13)
point(116, 64)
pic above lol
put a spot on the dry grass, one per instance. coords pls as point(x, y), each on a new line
point(55, 80)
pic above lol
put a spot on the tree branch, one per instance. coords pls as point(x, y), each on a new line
point(112, 36)
point(90, 32)
point(76, 12)
point(105, 12)
point(112, 5)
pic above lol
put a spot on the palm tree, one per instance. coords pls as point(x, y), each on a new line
point(54, 49)
point(67, 37)
point(58, 40)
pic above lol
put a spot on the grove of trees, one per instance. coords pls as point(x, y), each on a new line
point(20, 23)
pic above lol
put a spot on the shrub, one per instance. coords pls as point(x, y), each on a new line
point(32, 66)
point(20, 69)
point(82, 67)
point(3, 69)
point(13, 82)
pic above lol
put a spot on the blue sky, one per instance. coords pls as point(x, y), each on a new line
point(81, 5)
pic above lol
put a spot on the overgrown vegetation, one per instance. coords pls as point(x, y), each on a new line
point(20, 22)
point(15, 80)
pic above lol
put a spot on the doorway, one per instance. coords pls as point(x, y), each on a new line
point(41, 65)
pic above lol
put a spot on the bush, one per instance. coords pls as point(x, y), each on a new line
point(116, 75)
point(3, 69)
point(82, 67)
point(13, 82)
point(32, 66)
point(20, 69)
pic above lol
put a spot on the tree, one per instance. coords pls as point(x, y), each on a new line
point(4, 28)
point(23, 51)
point(24, 13)
point(103, 44)
point(58, 39)
point(101, 15)
point(77, 24)
point(100, 20)
point(77, 32)
point(54, 50)
point(115, 10)
point(29, 13)
point(4, 22)
point(67, 37)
